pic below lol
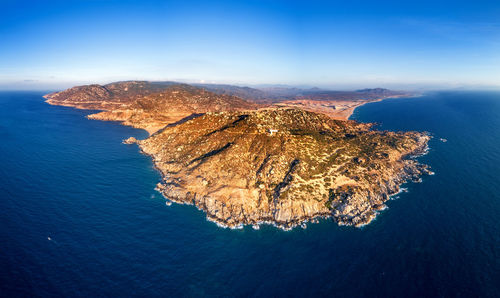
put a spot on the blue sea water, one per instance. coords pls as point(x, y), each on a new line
point(79, 216)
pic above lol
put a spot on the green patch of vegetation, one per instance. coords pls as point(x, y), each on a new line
point(328, 204)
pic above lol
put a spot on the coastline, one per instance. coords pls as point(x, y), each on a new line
point(392, 187)
point(338, 109)
point(350, 111)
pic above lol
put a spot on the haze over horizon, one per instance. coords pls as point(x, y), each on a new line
point(424, 45)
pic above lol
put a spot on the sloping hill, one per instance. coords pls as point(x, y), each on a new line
point(283, 166)
point(147, 105)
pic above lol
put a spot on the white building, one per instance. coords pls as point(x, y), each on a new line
point(271, 131)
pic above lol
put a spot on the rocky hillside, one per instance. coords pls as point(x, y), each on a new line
point(248, 93)
point(282, 166)
point(106, 97)
point(147, 105)
point(177, 102)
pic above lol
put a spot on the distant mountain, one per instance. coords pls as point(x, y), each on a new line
point(375, 90)
point(363, 94)
point(243, 92)
point(268, 94)
point(275, 94)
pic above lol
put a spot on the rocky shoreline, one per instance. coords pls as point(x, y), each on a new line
point(412, 173)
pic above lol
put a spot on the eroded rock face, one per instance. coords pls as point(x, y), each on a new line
point(283, 166)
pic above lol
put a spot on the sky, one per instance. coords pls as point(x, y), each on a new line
point(330, 44)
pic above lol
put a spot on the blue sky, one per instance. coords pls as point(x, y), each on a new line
point(334, 44)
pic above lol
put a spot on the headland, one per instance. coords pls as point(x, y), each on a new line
point(249, 161)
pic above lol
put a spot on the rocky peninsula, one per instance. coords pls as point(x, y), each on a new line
point(245, 162)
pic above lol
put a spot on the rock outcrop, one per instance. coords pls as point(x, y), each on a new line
point(130, 141)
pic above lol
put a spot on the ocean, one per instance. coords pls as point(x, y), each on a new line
point(79, 215)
